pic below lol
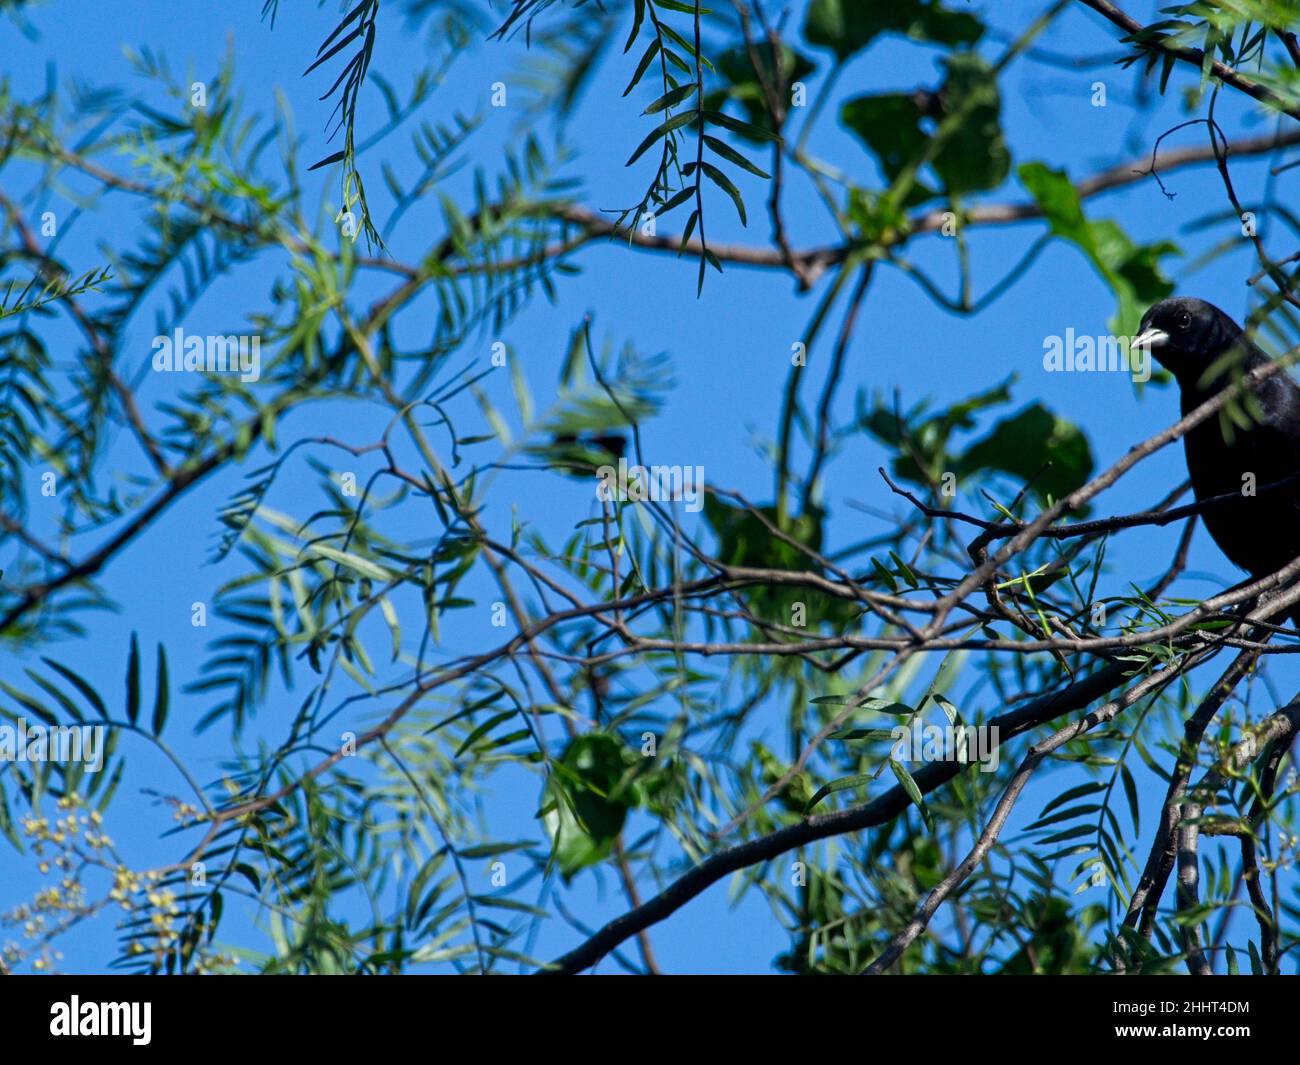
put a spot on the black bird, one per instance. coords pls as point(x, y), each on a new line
point(1205, 350)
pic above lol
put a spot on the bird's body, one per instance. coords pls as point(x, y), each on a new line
point(1261, 534)
point(1205, 350)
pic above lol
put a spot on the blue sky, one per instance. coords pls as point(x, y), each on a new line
point(729, 350)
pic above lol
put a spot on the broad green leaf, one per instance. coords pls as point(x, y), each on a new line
point(848, 26)
point(1132, 271)
point(1035, 446)
point(586, 802)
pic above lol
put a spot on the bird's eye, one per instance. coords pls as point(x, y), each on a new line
point(1184, 320)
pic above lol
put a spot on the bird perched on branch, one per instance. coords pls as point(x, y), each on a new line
point(1230, 453)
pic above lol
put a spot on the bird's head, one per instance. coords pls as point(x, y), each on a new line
point(1186, 335)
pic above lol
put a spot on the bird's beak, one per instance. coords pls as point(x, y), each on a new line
point(1150, 338)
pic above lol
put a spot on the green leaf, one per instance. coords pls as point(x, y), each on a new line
point(950, 711)
point(638, 16)
point(1071, 794)
point(1021, 444)
point(913, 791)
point(30, 704)
point(843, 784)
point(975, 157)
point(729, 153)
point(88, 693)
point(676, 200)
point(896, 127)
point(848, 26)
point(745, 87)
point(904, 570)
point(1068, 834)
point(880, 706)
point(483, 729)
point(718, 118)
point(162, 693)
point(133, 682)
point(660, 131)
point(862, 734)
point(1130, 792)
point(587, 800)
point(394, 626)
point(724, 183)
point(491, 850)
point(646, 59)
point(745, 539)
point(671, 98)
point(883, 573)
point(890, 125)
point(1132, 271)
point(356, 563)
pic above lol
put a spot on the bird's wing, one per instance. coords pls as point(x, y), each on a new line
point(1278, 439)
point(1275, 442)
